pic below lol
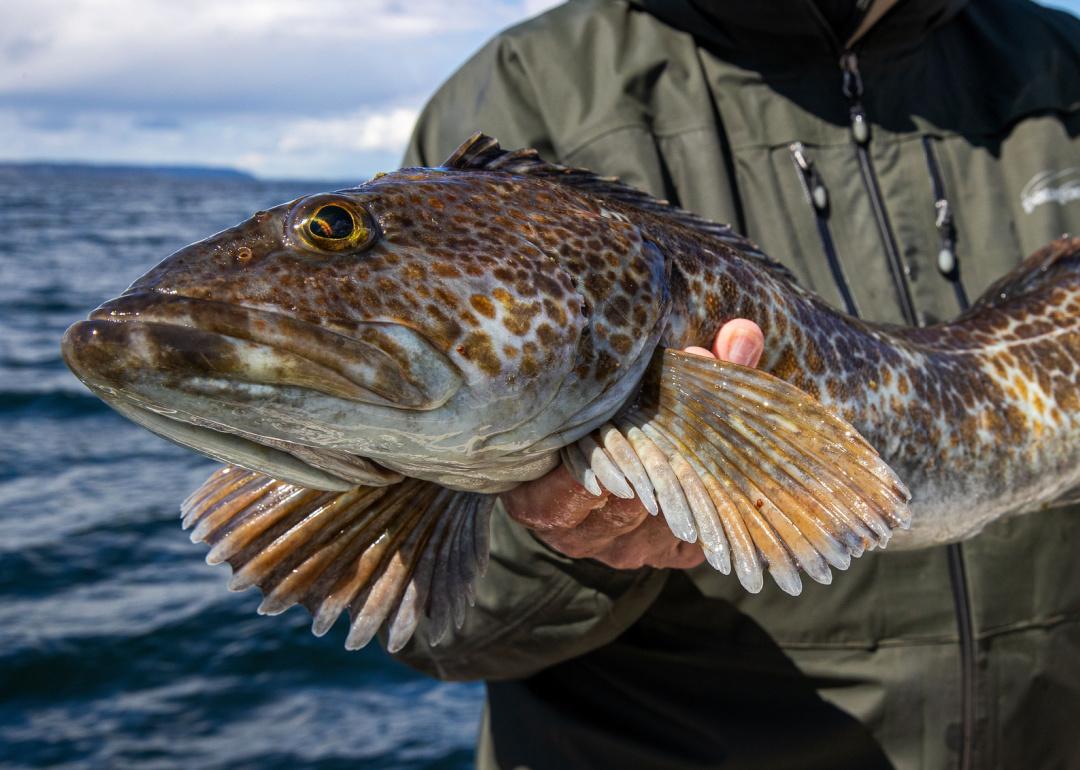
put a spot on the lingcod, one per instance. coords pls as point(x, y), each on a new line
point(376, 364)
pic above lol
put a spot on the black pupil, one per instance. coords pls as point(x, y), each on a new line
point(331, 222)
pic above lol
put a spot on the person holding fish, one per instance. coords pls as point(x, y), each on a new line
point(898, 158)
point(573, 436)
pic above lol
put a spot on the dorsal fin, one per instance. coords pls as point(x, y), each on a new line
point(1056, 265)
point(481, 152)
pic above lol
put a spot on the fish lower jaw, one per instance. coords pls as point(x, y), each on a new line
point(306, 466)
point(489, 478)
point(225, 446)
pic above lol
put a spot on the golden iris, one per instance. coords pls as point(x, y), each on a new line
point(336, 227)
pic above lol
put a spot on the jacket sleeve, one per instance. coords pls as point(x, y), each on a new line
point(534, 607)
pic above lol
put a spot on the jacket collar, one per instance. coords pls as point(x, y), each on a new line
point(799, 25)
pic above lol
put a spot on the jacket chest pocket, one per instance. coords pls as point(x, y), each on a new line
point(814, 207)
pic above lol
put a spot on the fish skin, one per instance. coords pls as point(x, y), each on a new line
point(547, 296)
point(979, 416)
point(522, 285)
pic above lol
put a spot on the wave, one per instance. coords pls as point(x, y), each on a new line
point(46, 304)
point(51, 403)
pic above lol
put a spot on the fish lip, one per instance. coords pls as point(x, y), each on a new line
point(341, 366)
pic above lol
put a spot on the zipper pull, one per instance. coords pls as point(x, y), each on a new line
point(946, 258)
point(853, 90)
point(943, 218)
point(815, 188)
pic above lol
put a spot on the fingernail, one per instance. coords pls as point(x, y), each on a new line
point(743, 350)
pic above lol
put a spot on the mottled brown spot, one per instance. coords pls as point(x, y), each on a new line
point(598, 286)
point(448, 298)
point(620, 343)
point(482, 305)
point(787, 365)
point(414, 272)
point(517, 317)
point(606, 366)
point(476, 347)
point(445, 270)
point(555, 311)
point(546, 335)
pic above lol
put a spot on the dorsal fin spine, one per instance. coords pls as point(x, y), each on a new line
point(1042, 270)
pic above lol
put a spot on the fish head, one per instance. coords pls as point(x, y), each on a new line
point(426, 319)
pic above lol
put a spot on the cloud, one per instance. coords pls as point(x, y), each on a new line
point(359, 131)
point(317, 88)
point(249, 54)
point(348, 148)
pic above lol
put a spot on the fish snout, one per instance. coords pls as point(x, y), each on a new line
point(126, 356)
point(90, 349)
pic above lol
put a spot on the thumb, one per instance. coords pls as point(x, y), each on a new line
point(740, 341)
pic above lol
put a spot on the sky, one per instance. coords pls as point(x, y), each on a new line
point(313, 89)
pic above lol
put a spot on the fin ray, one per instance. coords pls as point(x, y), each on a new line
point(376, 552)
point(762, 475)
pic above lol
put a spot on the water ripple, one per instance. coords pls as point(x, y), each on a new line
point(119, 646)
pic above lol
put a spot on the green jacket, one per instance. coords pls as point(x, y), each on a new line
point(703, 103)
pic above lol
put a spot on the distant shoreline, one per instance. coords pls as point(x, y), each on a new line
point(184, 171)
point(162, 171)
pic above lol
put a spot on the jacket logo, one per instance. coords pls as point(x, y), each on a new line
point(1051, 187)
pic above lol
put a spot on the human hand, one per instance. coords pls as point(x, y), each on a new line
point(618, 532)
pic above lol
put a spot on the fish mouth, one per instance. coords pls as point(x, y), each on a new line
point(184, 338)
point(200, 372)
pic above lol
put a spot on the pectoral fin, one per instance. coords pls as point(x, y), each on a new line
point(756, 470)
point(383, 554)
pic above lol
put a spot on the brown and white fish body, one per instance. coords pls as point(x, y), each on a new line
point(392, 355)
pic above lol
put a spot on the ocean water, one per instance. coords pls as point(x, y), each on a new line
point(119, 646)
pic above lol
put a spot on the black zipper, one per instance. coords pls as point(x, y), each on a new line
point(818, 198)
point(948, 263)
point(860, 134)
point(949, 266)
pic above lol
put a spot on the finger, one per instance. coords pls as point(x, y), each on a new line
point(685, 556)
point(552, 501)
point(699, 351)
point(616, 518)
point(597, 530)
point(633, 549)
point(740, 341)
point(650, 544)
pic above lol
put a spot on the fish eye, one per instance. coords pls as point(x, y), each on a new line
point(334, 225)
point(331, 222)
